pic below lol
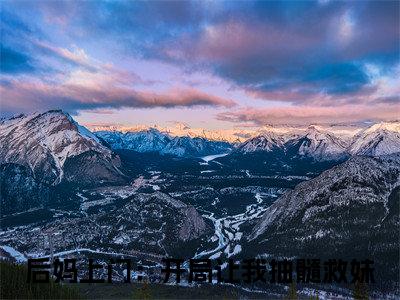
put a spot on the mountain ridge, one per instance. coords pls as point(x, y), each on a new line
point(349, 211)
point(314, 141)
point(379, 139)
point(152, 140)
point(44, 142)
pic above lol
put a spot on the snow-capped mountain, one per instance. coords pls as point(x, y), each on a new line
point(187, 146)
point(56, 148)
point(379, 139)
point(318, 144)
point(351, 209)
point(355, 180)
point(322, 144)
point(152, 140)
point(237, 135)
point(314, 143)
point(183, 130)
point(266, 142)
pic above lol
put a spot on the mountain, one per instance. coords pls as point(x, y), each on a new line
point(152, 140)
point(318, 145)
point(313, 143)
point(266, 142)
point(136, 223)
point(319, 142)
point(58, 177)
point(379, 139)
point(187, 146)
point(237, 135)
point(183, 130)
point(322, 143)
point(56, 149)
point(43, 150)
point(352, 208)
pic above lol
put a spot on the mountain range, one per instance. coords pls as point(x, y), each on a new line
point(152, 140)
point(237, 135)
point(290, 192)
point(350, 211)
point(379, 139)
point(53, 148)
point(315, 142)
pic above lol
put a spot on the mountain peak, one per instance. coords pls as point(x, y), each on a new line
point(389, 126)
point(379, 139)
point(44, 141)
point(268, 141)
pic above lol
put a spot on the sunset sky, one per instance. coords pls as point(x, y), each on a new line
point(209, 64)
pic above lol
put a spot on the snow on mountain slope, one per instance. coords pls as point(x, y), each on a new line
point(311, 143)
point(320, 141)
point(266, 142)
point(325, 143)
point(152, 140)
point(351, 210)
point(237, 135)
point(44, 142)
point(379, 139)
point(349, 182)
point(186, 146)
point(319, 145)
point(148, 223)
point(183, 130)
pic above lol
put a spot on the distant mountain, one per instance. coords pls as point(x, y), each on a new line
point(352, 208)
point(266, 142)
point(183, 130)
point(320, 144)
point(238, 135)
point(379, 139)
point(334, 142)
point(187, 146)
point(152, 140)
point(313, 143)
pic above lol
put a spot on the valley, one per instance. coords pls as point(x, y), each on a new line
point(148, 195)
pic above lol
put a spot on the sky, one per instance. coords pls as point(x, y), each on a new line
point(208, 64)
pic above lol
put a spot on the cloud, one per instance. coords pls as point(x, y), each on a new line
point(76, 56)
point(303, 53)
point(310, 114)
point(71, 95)
point(80, 82)
point(319, 50)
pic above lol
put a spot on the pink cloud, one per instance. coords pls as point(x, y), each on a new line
point(310, 114)
point(23, 96)
point(306, 94)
